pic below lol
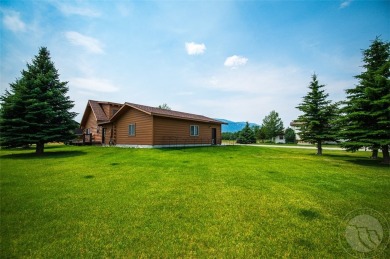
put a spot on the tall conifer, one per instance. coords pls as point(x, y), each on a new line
point(36, 109)
point(318, 115)
point(367, 108)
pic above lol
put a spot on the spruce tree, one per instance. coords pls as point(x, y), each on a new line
point(318, 116)
point(367, 108)
point(246, 136)
point(36, 109)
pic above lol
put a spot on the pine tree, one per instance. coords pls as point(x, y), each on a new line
point(272, 125)
point(318, 115)
point(367, 108)
point(246, 136)
point(36, 109)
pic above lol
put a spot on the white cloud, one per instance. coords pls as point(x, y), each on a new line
point(235, 61)
point(93, 84)
point(251, 93)
point(91, 44)
point(260, 79)
point(13, 22)
point(73, 10)
point(345, 4)
point(193, 48)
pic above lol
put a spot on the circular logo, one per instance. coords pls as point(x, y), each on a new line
point(364, 232)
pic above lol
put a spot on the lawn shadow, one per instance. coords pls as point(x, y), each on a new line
point(363, 161)
point(194, 148)
point(46, 155)
point(309, 214)
point(184, 148)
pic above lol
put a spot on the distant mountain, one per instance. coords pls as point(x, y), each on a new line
point(233, 126)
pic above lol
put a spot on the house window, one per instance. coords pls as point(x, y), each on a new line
point(281, 137)
point(88, 131)
point(194, 130)
point(131, 129)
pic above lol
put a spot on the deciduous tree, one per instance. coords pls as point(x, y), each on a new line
point(164, 106)
point(289, 135)
point(272, 125)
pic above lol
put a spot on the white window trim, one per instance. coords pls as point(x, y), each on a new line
point(134, 133)
point(195, 131)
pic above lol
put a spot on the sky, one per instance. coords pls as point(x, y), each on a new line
point(236, 60)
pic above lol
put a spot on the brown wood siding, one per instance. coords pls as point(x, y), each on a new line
point(168, 131)
point(143, 128)
point(91, 124)
point(109, 108)
point(109, 138)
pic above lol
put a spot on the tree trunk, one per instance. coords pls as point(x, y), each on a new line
point(374, 153)
point(319, 147)
point(385, 152)
point(39, 148)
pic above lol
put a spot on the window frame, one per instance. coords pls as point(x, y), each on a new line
point(133, 132)
point(194, 129)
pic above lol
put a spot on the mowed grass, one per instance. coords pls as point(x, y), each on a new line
point(234, 201)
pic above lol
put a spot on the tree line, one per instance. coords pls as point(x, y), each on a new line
point(271, 127)
point(361, 120)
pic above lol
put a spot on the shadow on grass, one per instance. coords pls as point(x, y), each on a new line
point(309, 214)
point(46, 155)
point(193, 148)
point(363, 161)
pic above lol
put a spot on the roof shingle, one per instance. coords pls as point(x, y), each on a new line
point(98, 111)
point(172, 114)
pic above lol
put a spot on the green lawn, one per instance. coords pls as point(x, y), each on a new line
point(234, 201)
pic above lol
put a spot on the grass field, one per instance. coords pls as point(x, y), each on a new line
point(232, 201)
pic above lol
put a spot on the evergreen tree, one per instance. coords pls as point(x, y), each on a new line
point(261, 134)
point(36, 109)
point(318, 115)
point(246, 136)
point(272, 125)
point(289, 135)
point(367, 108)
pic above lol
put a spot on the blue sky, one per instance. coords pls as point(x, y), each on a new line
point(235, 60)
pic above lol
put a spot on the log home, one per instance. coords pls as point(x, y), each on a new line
point(135, 125)
point(95, 113)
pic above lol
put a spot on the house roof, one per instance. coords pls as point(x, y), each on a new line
point(165, 113)
point(97, 110)
point(296, 123)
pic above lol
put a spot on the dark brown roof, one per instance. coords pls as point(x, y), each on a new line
point(97, 110)
point(168, 113)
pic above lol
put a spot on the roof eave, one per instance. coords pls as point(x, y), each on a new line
point(188, 119)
